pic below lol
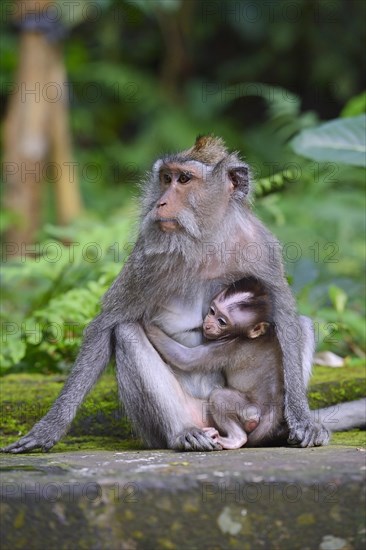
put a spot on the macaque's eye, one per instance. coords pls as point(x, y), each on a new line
point(166, 178)
point(184, 178)
point(221, 322)
point(212, 311)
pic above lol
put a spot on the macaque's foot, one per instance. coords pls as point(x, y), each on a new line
point(195, 439)
point(308, 434)
point(35, 439)
point(231, 442)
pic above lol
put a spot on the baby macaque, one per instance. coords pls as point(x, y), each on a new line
point(240, 342)
point(241, 310)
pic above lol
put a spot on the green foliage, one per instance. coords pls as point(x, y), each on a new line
point(146, 77)
point(338, 298)
point(341, 328)
point(341, 140)
point(273, 183)
point(150, 7)
point(59, 291)
point(355, 106)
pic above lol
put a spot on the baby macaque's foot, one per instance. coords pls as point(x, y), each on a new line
point(213, 433)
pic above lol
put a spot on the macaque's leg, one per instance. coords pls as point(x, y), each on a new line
point(233, 415)
point(308, 347)
point(163, 413)
point(236, 437)
point(235, 440)
point(303, 431)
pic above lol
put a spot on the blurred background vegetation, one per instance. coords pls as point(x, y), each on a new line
point(145, 77)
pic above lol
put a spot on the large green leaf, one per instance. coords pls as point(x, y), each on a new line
point(340, 140)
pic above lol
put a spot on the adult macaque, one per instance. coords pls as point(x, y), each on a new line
point(196, 225)
point(238, 325)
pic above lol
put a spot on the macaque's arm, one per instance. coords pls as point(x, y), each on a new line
point(204, 357)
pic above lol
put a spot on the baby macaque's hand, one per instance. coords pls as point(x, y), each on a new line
point(170, 350)
point(155, 334)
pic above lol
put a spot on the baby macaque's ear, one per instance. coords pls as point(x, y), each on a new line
point(258, 330)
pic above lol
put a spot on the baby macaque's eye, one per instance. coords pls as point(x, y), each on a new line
point(212, 311)
point(183, 178)
point(221, 322)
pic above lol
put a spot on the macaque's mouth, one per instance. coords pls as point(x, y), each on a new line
point(167, 224)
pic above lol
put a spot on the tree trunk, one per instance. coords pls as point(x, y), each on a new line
point(36, 134)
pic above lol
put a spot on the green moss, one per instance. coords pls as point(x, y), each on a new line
point(353, 438)
point(329, 386)
point(96, 443)
point(329, 374)
point(25, 398)
point(306, 519)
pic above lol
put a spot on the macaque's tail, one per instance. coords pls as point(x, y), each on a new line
point(343, 416)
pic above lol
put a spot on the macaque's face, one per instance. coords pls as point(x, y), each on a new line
point(223, 322)
point(178, 183)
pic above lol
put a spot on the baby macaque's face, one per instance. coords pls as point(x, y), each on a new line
point(224, 320)
point(217, 323)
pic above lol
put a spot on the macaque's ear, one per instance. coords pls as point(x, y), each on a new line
point(157, 165)
point(258, 330)
point(239, 178)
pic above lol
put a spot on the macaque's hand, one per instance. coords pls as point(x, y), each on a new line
point(37, 438)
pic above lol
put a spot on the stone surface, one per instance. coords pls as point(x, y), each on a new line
point(247, 499)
